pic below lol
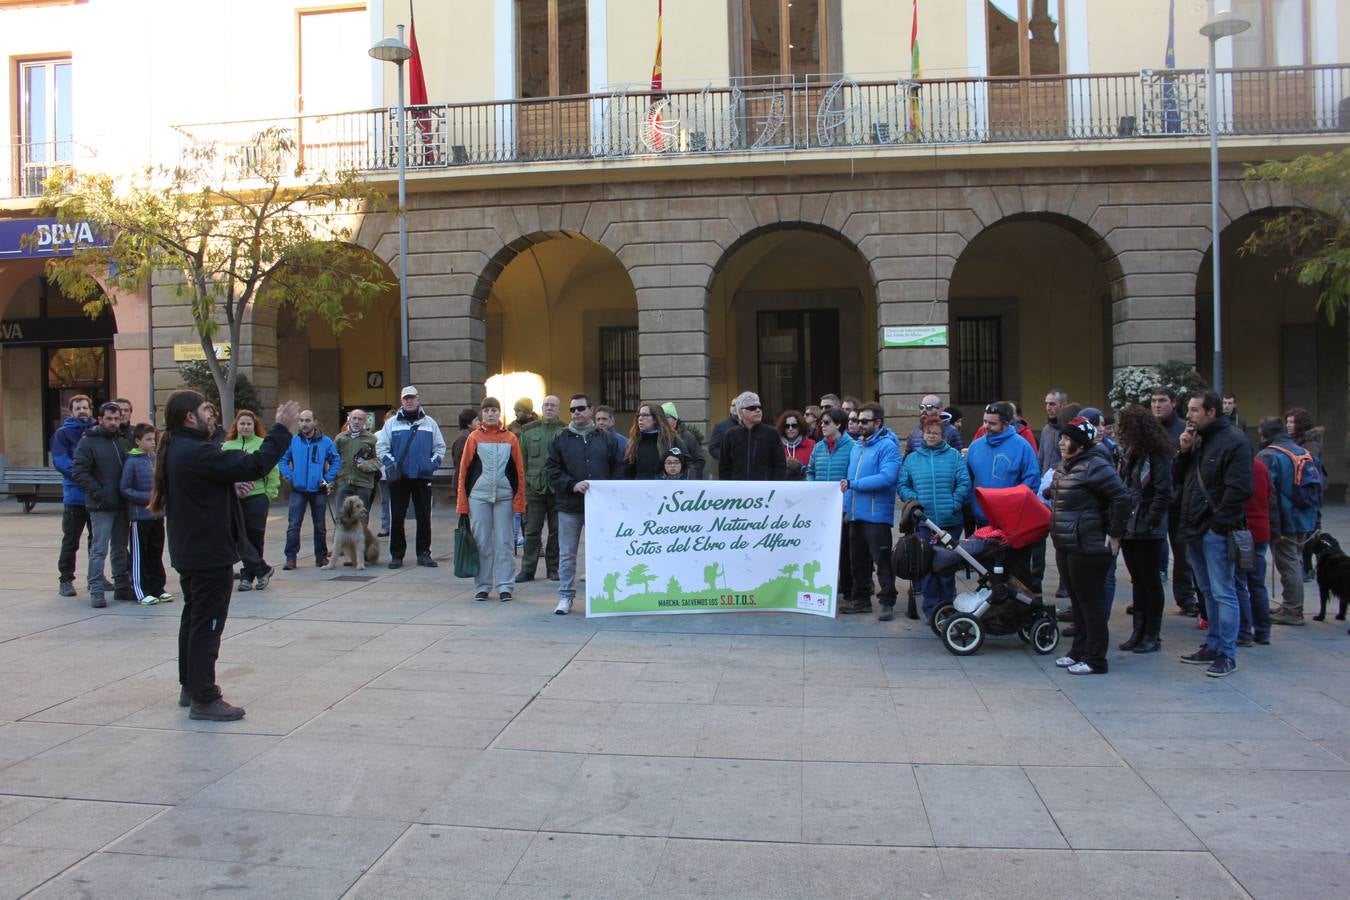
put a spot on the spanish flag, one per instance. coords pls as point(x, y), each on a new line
point(915, 73)
point(658, 80)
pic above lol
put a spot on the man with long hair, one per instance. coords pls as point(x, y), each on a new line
point(194, 487)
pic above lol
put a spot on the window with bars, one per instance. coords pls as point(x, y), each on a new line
point(979, 360)
point(620, 380)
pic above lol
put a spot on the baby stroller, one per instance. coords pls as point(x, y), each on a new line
point(1000, 556)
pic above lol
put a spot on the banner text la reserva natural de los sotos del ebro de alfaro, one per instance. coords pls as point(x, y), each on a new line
point(712, 546)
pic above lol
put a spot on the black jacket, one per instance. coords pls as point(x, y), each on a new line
point(97, 469)
point(1090, 504)
point(719, 434)
point(1149, 481)
point(202, 532)
point(1223, 458)
point(752, 454)
point(574, 457)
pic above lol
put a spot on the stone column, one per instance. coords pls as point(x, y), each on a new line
point(673, 338)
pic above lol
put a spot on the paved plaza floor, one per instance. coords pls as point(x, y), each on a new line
point(405, 741)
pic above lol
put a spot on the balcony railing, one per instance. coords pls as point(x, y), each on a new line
point(27, 165)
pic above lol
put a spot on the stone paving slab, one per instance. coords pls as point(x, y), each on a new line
point(405, 741)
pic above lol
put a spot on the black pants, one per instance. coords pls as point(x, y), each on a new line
point(147, 558)
point(1085, 574)
point(845, 566)
point(1183, 581)
point(870, 543)
point(540, 508)
point(1036, 568)
point(206, 603)
point(400, 492)
point(1143, 559)
point(255, 511)
point(74, 519)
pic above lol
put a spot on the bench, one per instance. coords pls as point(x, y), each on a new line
point(31, 485)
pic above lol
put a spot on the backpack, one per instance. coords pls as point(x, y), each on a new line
point(1308, 479)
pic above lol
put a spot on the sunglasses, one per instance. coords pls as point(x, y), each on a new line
point(853, 418)
point(581, 408)
point(929, 406)
point(789, 424)
point(750, 409)
point(867, 421)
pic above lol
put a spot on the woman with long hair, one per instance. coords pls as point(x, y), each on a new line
point(255, 498)
point(491, 491)
point(792, 431)
point(1146, 469)
point(194, 487)
point(649, 438)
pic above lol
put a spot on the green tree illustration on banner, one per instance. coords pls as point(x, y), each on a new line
point(809, 572)
point(640, 574)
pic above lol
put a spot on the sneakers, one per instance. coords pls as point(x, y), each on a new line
point(522, 577)
point(564, 606)
point(245, 584)
point(426, 561)
point(1065, 662)
point(1190, 609)
point(1262, 639)
point(1064, 615)
point(1201, 657)
point(260, 583)
point(289, 564)
point(321, 562)
point(216, 711)
point(1244, 642)
point(395, 563)
point(184, 699)
point(66, 589)
point(1082, 668)
point(480, 596)
point(505, 596)
point(166, 597)
point(1201, 623)
point(97, 601)
point(1283, 616)
point(887, 612)
point(149, 600)
point(1221, 666)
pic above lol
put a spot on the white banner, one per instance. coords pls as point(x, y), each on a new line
point(712, 546)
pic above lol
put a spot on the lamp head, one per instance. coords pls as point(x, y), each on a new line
point(1225, 23)
point(391, 50)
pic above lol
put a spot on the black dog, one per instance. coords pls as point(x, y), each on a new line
point(1333, 574)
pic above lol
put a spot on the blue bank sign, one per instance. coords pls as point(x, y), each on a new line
point(53, 238)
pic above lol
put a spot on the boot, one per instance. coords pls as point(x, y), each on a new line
point(1151, 643)
point(1136, 636)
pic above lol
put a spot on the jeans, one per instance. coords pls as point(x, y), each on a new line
point(1085, 576)
point(1254, 599)
point(74, 519)
point(1216, 577)
point(540, 508)
point(869, 544)
point(147, 558)
point(384, 507)
point(255, 529)
point(496, 540)
point(206, 603)
point(1109, 594)
point(109, 526)
point(938, 589)
point(347, 490)
point(1288, 553)
point(569, 538)
point(400, 492)
point(317, 504)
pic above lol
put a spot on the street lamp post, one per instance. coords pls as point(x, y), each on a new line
point(395, 51)
point(1224, 24)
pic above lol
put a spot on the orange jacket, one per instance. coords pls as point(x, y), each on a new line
point(469, 459)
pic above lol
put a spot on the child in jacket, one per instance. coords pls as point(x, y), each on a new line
point(147, 528)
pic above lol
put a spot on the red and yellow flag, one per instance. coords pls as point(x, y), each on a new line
point(915, 73)
point(658, 81)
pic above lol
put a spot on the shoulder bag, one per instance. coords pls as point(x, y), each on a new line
point(395, 471)
point(1241, 545)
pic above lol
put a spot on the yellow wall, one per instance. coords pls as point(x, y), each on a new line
point(876, 37)
point(455, 43)
point(22, 378)
point(1133, 36)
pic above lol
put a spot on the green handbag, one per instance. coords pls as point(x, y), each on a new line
point(466, 550)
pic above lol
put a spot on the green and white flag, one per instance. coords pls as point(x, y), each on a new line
point(712, 546)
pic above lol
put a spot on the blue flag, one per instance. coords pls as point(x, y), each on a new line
point(1171, 110)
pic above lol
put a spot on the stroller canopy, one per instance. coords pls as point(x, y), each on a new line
point(1016, 512)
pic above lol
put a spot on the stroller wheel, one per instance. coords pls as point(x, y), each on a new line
point(1025, 634)
point(962, 635)
point(1045, 636)
point(940, 617)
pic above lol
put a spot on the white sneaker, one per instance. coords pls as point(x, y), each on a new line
point(166, 597)
point(1065, 661)
point(1082, 668)
point(564, 606)
point(149, 600)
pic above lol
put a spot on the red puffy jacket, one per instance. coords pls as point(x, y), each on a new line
point(1260, 509)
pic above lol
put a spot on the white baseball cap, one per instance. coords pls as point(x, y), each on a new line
point(408, 391)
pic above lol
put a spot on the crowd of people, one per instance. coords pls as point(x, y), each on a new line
point(1167, 483)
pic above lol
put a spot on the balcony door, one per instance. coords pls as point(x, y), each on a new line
point(1025, 39)
point(552, 61)
point(46, 117)
point(798, 356)
point(1269, 101)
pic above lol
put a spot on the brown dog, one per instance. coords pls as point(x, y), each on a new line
point(354, 536)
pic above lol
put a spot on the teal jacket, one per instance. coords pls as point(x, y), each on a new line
point(939, 480)
point(827, 465)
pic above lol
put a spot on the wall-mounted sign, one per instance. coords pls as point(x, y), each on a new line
point(57, 331)
point(915, 336)
point(53, 238)
point(375, 380)
point(190, 352)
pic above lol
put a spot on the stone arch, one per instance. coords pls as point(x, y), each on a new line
point(785, 225)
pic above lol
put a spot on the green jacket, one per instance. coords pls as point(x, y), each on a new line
point(271, 484)
point(534, 441)
point(357, 474)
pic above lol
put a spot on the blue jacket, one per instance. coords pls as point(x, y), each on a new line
point(1000, 460)
point(309, 462)
point(138, 477)
point(428, 447)
point(1292, 519)
point(873, 468)
point(938, 479)
point(830, 466)
point(64, 442)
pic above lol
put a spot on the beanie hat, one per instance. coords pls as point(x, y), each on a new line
point(1080, 431)
point(669, 410)
point(1092, 414)
point(525, 403)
